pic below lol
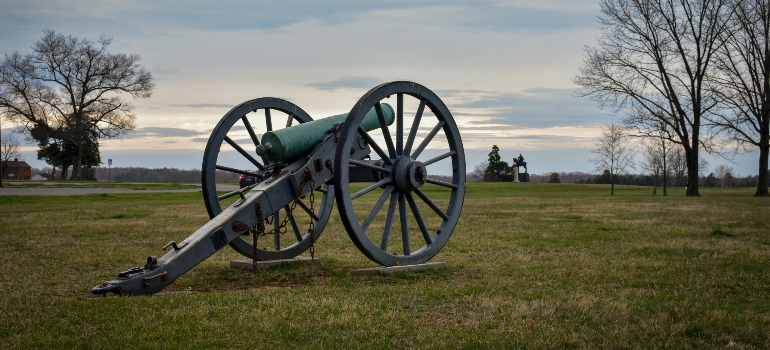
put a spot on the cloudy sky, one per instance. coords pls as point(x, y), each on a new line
point(503, 68)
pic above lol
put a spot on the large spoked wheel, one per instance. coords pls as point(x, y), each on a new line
point(407, 171)
point(231, 152)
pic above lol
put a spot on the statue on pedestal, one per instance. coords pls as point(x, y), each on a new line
point(519, 162)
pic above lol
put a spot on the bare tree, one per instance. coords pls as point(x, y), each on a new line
point(613, 153)
point(743, 82)
point(659, 148)
point(703, 167)
point(10, 147)
point(478, 171)
point(652, 61)
point(652, 162)
point(723, 173)
point(68, 89)
point(678, 166)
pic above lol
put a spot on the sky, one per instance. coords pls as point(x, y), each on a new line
point(504, 68)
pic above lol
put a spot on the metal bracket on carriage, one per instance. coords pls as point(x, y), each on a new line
point(273, 170)
point(319, 160)
point(336, 131)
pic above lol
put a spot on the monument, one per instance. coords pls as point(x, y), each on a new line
point(517, 176)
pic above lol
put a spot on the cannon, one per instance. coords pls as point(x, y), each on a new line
point(303, 167)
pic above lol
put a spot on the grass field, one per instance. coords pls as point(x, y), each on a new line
point(530, 266)
point(100, 184)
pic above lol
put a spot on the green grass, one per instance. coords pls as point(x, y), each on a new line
point(530, 266)
point(102, 184)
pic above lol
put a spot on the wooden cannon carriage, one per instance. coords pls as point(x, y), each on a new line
point(308, 164)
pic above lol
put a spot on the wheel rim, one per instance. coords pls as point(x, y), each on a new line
point(428, 209)
point(239, 131)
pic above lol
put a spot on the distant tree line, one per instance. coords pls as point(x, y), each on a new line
point(132, 174)
point(564, 177)
point(711, 180)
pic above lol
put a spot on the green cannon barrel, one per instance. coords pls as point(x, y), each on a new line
point(280, 145)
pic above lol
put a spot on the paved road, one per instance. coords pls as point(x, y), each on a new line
point(75, 191)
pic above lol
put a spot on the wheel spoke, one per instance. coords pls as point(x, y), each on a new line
point(441, 157)
point(388, 222)
point(385, 131)
point(250, 130)
point(307, 210)
point(237, 171)
point(440, 183)
point(399, 124)
point(427, 139)
point(404, 224)
point(322, 190)
point(418, 218)
point(233, 193)
point(413, 130)
point(276, 234)
point(268, 119)
point(293, 223)
point(377, 207)
point(432, 205)
point(244, 153)
point(374, 146)
point(368, 166)
point(370, 188)
point(228, 195)
point(289, 120)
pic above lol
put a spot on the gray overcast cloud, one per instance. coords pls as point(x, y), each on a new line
point(504, 68)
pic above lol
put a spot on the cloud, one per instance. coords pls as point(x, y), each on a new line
point(163, 17)
point(158, 132)
point(243, 142)
point(478, 55)
point(348, 83)
point(204, 105)
point(499, 16)
point(532, 108)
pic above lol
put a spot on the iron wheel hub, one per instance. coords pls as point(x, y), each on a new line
point(409, 174)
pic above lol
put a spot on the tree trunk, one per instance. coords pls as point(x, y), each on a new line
point(721, 185)
point(612, 185)
point(764, 150)
point(77, 163)
point(665, 171)
point(691, 156)
point(764, 142)
point(655, 185)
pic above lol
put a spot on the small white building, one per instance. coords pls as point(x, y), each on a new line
point(40, 177)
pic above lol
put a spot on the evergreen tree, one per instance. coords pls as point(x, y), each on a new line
point(58, 153)
point(554, 179)
point(497, 170)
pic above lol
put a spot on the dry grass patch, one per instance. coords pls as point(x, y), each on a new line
point(530, 265)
